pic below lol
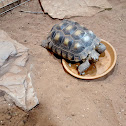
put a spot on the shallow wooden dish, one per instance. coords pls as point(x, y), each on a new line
point(107, 61)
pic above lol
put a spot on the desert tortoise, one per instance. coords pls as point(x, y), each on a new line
point(74, 42)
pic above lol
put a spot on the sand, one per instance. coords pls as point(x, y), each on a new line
point(65, 100)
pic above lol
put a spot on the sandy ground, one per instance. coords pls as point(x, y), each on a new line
point(65, 100)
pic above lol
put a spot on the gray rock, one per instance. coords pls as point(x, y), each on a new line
point(15, 78)
point(7, 49)
point(70, 8)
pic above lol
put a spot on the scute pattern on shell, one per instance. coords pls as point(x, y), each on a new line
point(72, 41)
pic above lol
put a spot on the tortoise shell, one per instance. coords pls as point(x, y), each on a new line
point(72, 41)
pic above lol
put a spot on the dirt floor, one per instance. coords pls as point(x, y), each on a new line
point(65, 100)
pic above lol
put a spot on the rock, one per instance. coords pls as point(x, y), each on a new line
point(6, 49)
point(21, 61)
point(69, 8)
point(15, 77)
point(15, 69)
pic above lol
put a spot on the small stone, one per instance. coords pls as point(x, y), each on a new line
point(14, 84)
point(95, 91)
point(66, 86)
point(107, 105)
point(83, 73)
point(8, 117)
point(66, 10)
point(82, 115)
point(70, 64)
point(72, 114)
point(120, 19)
point(68, 118)
point(122, 110)
point(2, 122)
point(15, 114)
point(93, 66)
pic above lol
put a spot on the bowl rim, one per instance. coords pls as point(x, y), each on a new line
point(97, 76)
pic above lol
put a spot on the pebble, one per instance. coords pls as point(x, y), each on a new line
point(107, 105)
point(95, 91)
point(82, 115)
point(122, 110)
point(66, 86)
point(68, 118)
point(120, 124)
point(25, 40)
point(2, 122)
point(70, 64)
point(73, 114)
point(8, 117)
point(93, 66)
point(83, 73)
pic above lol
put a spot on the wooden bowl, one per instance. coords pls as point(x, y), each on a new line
point(107, 61)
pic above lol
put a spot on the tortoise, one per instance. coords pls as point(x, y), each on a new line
point(74, 42)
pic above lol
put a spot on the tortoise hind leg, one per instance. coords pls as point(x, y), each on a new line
point(84, 66)
point(45, 43)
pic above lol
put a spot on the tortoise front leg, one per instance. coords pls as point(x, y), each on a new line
point(94, 56)
point(84, 66)
point(100, 48)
